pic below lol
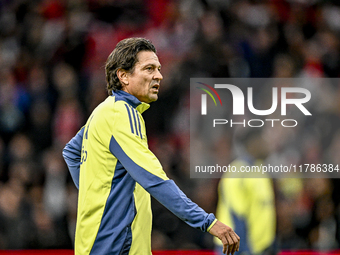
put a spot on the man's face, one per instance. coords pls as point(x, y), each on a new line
point(144, 81)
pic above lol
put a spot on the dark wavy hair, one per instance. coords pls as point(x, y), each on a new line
point(124, 56)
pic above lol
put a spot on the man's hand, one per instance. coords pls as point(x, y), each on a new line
point(230, 240)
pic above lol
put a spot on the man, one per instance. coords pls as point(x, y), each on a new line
point(248, 204)
point(115, 172)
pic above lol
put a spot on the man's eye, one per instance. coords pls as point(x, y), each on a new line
point(149, 68)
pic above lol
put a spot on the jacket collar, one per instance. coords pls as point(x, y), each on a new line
point(121, 95)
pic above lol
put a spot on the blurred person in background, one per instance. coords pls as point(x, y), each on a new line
point(112, 166)
point(248, 204)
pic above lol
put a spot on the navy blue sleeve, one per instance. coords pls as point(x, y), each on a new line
point(169, 195)
point(72, 156)
point(165, 191)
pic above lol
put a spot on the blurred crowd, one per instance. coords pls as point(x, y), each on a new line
point(52, 56)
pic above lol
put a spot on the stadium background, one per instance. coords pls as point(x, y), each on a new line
point(52, 55)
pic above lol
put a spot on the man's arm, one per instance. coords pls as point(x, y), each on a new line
point(72, 156)
point(132, 151)
point(168, 194)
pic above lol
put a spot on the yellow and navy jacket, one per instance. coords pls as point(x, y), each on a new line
point(247, 205)
point(115, 172)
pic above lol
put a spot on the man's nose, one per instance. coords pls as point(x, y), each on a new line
point(158, 75)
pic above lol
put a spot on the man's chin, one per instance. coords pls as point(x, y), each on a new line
point(153, 98)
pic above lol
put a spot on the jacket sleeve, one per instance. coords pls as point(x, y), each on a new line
point(131, 149)
point(72, 156)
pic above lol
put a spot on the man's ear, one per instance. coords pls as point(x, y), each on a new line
point(123, 76)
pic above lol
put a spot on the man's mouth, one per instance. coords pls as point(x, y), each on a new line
point(156, 87)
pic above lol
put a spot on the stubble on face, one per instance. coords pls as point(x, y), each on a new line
point(144, 80)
